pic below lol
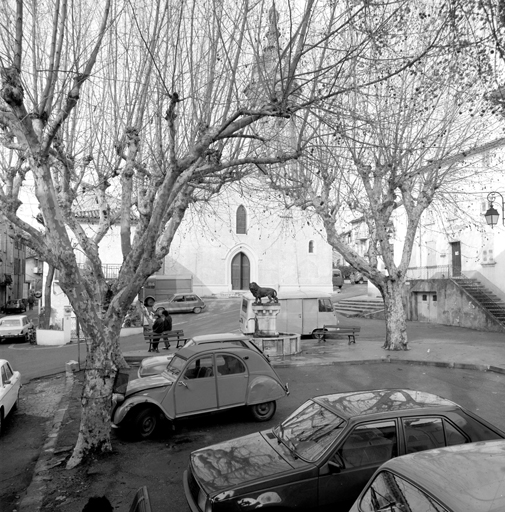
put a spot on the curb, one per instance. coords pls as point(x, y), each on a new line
point(385, 359)
point(34, 494)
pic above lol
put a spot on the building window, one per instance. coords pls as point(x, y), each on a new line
point(240, 272)
point(241, 220)
point(311, 246)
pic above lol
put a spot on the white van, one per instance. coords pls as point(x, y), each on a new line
point(302, 312)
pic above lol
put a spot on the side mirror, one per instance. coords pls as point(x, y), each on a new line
point(336, 464)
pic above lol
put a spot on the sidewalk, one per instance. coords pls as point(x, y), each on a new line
point(431, 344)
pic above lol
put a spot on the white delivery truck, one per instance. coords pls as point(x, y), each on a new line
point(302, 312)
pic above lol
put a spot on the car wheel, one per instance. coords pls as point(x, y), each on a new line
point(197, 310)
point(318, 334)
point(1, 420)
point(264, 411)
point(145, 422)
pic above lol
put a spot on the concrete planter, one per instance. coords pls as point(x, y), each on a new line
point(50, 337)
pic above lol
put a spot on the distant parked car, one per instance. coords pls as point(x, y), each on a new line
point(18, 327)
point(10, 384)
point(322, 456)
point(14, 306)
point(158, 364)
point(180, 303)
point(358, 278)
point(337, 278)
point(465, 478)
point(199, 379)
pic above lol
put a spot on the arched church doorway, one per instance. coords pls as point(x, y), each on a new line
point(240, 272)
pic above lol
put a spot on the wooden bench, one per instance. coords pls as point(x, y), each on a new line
point(168, 336)
point(332, 332)
point(141, 501)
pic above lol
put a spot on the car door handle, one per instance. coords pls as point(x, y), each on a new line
point(182, 383)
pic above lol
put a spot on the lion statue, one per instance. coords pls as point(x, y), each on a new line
point(260, 292)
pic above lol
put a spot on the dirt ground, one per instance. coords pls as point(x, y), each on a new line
point(24, 435)
point(156, 463)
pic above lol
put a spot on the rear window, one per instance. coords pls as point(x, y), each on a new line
point(10, 323)
point(390, 492)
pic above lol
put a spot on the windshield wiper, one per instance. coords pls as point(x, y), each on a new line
point(285, 442)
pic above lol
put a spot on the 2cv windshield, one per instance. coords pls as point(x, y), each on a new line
point(176, 366)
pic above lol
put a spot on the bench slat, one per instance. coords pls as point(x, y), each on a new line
point(332, 332)
point(177, 335)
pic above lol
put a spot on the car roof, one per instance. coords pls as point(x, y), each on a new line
point(466, 478)
point(362, 403)
point(188, 352)
point(221, 337)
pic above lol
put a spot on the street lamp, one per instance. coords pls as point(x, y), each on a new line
point(492, 214)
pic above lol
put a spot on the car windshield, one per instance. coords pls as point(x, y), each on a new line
point(310, 430)
point(10, 323)
point(176, 365)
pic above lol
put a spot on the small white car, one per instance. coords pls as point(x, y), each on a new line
point(10, 384)
point(18, 327)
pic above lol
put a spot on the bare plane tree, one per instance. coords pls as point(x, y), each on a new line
point(135, 110)
point(388, 148)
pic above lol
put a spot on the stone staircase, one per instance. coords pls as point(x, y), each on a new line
point(353, 307)
point(486, 298)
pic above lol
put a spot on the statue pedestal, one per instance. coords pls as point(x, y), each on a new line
point(266, 317)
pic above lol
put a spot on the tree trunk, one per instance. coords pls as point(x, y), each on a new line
point(96, 400)
point(396, 325)
point(45, 318)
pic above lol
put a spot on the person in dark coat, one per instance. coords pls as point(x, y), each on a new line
point(167, 322)
point(158, 328)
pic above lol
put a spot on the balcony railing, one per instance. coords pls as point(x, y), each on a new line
point(110, 271)
point(433, 272)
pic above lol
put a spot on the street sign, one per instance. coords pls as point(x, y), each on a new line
point(37, 295)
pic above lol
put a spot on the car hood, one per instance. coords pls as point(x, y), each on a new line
point(242, 460)
point(150, 362)
point(155, 381)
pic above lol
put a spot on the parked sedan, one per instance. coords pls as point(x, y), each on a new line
point(465, 478)
point(158, 364)
point(10, 384)
point(18, 327)
point(14, 306)
point(181, 303)
point(323, 454)
point(199, 379)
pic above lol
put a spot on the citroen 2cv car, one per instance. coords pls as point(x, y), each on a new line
point(199, 379)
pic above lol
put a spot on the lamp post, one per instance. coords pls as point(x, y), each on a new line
point(492, 214)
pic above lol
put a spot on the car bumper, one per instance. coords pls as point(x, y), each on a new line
point(187, 491)
point(11, 336)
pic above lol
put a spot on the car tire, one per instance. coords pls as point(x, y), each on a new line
point(197, 310)
point(264, 411)
point(145, 422)
point(1, 420)
point(317, 334)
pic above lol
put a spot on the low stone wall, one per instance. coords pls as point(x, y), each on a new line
point(50, 337)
